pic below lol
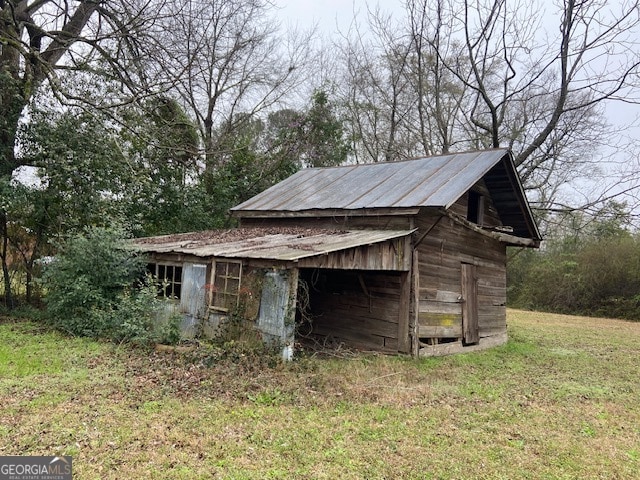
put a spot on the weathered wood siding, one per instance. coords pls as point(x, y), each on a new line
point(360, 309)
point(441, 255)
point(393, 254)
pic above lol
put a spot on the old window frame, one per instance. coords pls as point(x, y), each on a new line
point(169, 286)
point(225, 282)
point(475, 207)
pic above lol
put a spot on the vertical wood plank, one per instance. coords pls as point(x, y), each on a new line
point(404, 342)
point(470, 333)
point(415, 300)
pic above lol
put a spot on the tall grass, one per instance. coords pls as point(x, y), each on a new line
point(559, 400)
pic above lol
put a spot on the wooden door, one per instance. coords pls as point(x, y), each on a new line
point(469, 304)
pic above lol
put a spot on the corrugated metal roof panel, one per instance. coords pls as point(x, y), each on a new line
point(271, 246)
point(436, 181)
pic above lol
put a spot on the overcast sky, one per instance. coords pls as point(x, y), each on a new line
point(333, 15)
point(327, 14)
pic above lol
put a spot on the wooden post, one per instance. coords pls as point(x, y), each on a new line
point(415, 303)
point(404, 341)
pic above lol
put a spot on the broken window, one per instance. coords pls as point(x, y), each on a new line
point(169, 279)
point(475, 207)
point(225, 285)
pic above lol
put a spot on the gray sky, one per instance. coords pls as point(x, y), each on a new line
point(328, 14)
point(332, 16)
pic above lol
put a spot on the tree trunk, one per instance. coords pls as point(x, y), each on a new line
point(29, 284)
point(4, 253)
point(12, 103)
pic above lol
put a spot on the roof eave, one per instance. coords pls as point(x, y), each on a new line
point(325, 212)
point(522, 198)
point(276, 252)
point(503, 237)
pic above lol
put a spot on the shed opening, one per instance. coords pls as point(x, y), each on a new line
point(357, 308)
point(475, 207)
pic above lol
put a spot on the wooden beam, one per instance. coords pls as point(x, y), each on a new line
point(500, 236)
point(430, 331)
point(424, 235)
point(363, 285)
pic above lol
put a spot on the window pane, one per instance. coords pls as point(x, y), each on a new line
point(226, 283)
point(234, 270)
point(228, 301)
point(219, 283)
point(233, 285)
point(169, 279)
point(222, 268)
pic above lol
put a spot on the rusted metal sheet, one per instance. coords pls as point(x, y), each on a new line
point(277, 309)
point(193, 297)
point(272, 246)
point(437, 181)
point(430, 181)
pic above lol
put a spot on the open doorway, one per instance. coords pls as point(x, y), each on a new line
point(357, 308)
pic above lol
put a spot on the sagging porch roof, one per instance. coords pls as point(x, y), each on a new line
point(284, 244)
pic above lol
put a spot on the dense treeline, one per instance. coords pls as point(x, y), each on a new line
point(594, 271)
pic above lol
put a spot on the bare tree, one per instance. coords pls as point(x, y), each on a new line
point(541, 96)
point(226, 61)
point(374, 89)
point(492, 73)
point(440, 97)
point(401, 98)
point(40, 38)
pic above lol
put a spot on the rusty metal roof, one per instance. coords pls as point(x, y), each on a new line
point(287, 245)
point(424, 182)
point(437, 181)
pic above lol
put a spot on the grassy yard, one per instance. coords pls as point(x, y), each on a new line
point(560, 400)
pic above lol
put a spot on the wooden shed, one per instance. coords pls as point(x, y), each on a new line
point(403, 257)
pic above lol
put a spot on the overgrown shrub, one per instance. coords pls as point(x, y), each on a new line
point(96, 287)
point(168, 331)
point(596, 276)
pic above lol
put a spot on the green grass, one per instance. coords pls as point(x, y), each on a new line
point(559, 400)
